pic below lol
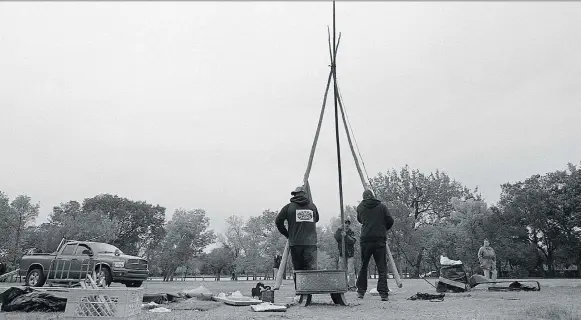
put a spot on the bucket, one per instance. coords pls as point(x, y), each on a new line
point(267, 296)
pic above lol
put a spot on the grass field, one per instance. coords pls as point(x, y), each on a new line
point(558, 299)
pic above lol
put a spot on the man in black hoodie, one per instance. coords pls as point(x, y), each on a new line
point(375, 221)
point(302, 216)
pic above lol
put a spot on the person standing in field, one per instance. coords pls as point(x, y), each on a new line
point(487, 259)
point(2, 268)
point(302, 217)
point(375, 221)
point(276, 266)
point(350, 240)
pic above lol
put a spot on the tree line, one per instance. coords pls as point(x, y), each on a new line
point(535, 229)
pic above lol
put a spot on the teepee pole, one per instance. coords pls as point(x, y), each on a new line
point(314, 146)
point(332, 75)
point(365, 186)
point(336, 101)
point(361, 176)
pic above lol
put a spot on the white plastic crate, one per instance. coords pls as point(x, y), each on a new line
point(110, 303)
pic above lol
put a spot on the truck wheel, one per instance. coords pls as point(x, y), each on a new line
point(35, 278)
point(104, 276)
point(133, 284)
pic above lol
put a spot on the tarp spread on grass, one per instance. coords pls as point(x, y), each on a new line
point(26, 299)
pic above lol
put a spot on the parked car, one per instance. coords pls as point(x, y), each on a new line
point(74, 259)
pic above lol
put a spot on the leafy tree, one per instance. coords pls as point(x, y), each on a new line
point(219, 259)
point(568, 196)
point(73, 223)
point(253, 243)
point(44, 238)
point(542, 211)
point(439, 239)
point(65, 211)
point(262, 232)
point(235, 238)
point(140, 224)
point(467, 222)
point(263, 242)
point(519, 258)
point(426, 197)
point(187, 236)
point(325, 261)
point(326, 243)
point(416, 200)
point(5, 225)
point(21, 215)
point(195, 264)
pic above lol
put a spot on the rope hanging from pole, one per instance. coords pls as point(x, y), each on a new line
point(344, 109)
point(363, 181)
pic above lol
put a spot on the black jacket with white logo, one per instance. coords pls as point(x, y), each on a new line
point(302, 216)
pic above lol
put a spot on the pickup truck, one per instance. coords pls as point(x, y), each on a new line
point(73, 260)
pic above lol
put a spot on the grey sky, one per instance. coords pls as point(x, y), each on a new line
point(214, 105)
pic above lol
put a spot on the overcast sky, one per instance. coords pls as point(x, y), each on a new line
point(214, 105)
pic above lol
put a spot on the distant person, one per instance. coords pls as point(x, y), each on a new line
point(302, 216)
point(350, 248)
point(276, 266)
point(234, 276)
point(487, 259)
point(2, 268)
point(375, 221)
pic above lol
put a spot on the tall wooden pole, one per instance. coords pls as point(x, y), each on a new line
point(336, 98)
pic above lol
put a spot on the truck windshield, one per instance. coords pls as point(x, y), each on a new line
point(104, 248)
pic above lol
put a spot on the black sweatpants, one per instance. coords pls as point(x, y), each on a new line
point(379, 253)
point(304, 257)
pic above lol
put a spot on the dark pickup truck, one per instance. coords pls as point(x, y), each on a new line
point(74, 259)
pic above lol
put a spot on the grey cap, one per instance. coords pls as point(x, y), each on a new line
point(298, 190)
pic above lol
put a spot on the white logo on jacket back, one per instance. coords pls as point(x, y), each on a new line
point(305, 215)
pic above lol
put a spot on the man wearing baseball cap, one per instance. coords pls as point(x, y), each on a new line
point(301, 215)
